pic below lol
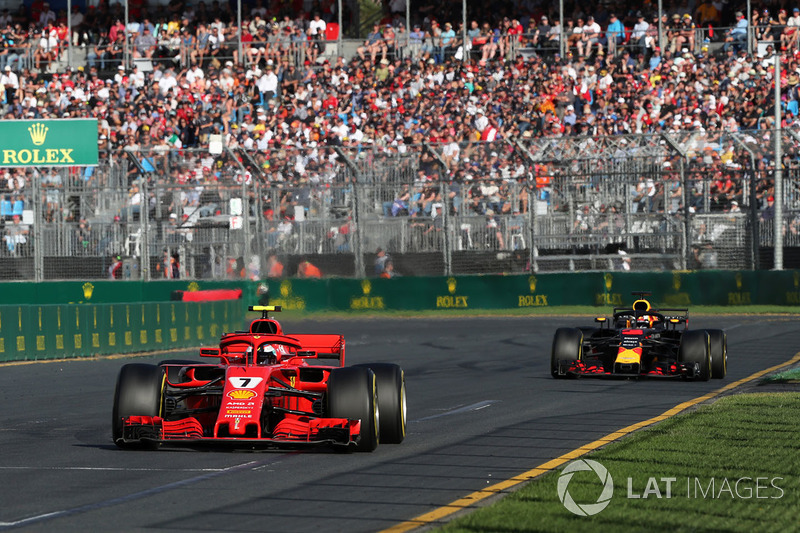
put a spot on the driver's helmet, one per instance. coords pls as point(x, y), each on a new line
point(266, 355)
point(645, 321)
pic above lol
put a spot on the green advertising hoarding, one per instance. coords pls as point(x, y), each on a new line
point(48, 143)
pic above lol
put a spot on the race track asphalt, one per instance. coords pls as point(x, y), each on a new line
point(482, 408)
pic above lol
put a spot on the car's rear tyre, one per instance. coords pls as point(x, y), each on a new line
point(173, 371)
point(391, 401)
point(353, 393)
point(718, 342)
point(695, 350)
point(139, 392)
point(567, 344)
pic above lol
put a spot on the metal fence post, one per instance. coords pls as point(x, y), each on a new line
point(357, 235)
point(38, 220)
point(446, 249)
point(246, 252)
point(144, 224)
point(754, 222)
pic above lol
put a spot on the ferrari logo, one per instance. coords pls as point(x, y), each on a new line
point(451, 285)
point(292, 379)
point(609, 279)
point(366, 287)
point(532, 283)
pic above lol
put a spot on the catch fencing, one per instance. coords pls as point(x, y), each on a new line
point(688, 200)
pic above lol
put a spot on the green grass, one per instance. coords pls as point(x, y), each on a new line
point(748, 435)
point(783, 377)
point(565, 310)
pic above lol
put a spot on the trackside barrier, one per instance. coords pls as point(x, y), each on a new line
point(73, 319)
point(32, 332)
point(602, 289)
point(96, 292)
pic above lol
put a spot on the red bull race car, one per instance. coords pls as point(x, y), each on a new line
point(263, 388)
point(640, 341)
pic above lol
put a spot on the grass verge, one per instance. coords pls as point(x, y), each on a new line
point(789, 376)
point(749, 438)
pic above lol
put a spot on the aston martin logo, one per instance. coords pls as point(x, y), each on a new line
point(88, 289)
point(676, 281)
point(609, 279)
point(738, 281)
point(532, 283)
point(451, 285)
point(366, 287)
point(38, 133)
point(286, 288)
point(241, 394)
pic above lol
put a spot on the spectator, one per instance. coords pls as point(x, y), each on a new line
point(736, 37)
point(380, 261)
point(615, 33)
point(274, 266)
point(307, 270)
point(373, 45)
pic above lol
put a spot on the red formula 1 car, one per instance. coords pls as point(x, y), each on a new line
point(640, 341)
point(267, 390)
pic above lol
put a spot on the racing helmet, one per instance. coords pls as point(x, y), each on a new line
point(266, 355)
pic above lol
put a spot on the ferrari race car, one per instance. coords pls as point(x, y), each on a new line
point(640, 342)
point(268, 389)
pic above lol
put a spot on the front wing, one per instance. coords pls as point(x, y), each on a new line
point(289, 433)
point(579, 368)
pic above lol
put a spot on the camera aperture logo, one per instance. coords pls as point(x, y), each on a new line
point(585, 509)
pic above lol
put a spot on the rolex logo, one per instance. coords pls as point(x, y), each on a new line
point(532, 283)
point(38, 133)
point(88, 289)
point(366, 287)
point(286, 288)
point(451, 285)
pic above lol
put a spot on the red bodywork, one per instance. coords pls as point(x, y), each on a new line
point(241, 399)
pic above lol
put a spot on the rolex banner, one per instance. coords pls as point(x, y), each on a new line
point(48, 143)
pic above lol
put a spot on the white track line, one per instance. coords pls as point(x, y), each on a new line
point(474, 407)
point(120, 469)
point(142, 494)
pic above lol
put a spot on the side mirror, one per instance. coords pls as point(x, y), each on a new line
point(209, 352)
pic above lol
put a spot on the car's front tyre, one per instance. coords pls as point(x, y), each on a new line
point(567, 345)
point(353, 394)
point(391, 401)
point(718, 343)
point(139, 392)
point(695, 352)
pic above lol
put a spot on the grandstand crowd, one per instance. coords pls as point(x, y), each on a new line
point(288, 92)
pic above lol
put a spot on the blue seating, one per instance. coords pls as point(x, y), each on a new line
point(5, 208)
point(17, 208)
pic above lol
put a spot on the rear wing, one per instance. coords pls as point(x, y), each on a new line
point(321, 346)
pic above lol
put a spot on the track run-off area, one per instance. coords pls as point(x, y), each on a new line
point(483, 414)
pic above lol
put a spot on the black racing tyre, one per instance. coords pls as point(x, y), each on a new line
point(139, 392)
point(391, 401)
point(353, 393)
point(695, 349)
point(718, 341)
point(172, 371)
point(567, 344)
